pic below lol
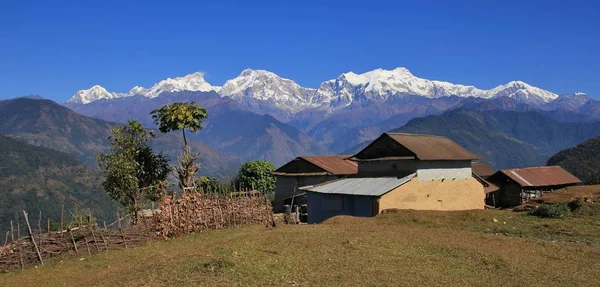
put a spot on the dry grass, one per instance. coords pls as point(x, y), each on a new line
point(406, 248)
point(568, 194)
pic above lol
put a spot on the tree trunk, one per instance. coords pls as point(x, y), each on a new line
point(184, 138)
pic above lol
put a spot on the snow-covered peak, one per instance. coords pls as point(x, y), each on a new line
point(522, 91)
point(92, 94)
point(137, 90)
point(284, 94)
point(379, 85)
point(192, 82)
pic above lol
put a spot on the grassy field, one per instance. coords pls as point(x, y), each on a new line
point(405, 248)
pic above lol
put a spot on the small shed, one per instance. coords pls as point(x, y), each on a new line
point(308, 170)
point(350, 196)
point(519, 185)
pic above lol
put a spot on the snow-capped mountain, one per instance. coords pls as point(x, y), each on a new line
point(93, 94)
point(522, 92)
point(254, 88)
point(262, 85)
point(379, 85)
point(192, 82)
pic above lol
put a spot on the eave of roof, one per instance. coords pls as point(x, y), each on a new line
point(368, 186)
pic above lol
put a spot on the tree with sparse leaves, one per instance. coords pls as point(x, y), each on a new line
point(182, 116)
point(258, 175)
point(132, 171)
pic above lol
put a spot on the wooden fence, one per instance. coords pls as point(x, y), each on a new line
point(177, 215)
point(194, 212)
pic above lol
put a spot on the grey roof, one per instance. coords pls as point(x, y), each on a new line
point(371, 186)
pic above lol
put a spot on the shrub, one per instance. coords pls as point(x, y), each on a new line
point(551, 211)
point(576, 204)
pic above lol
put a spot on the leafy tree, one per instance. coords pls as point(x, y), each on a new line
point(207, 184)
point(132, 171)
point(179, 116)
point(258, 175)
point(182, 116)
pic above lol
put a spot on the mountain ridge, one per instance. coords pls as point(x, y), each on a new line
point(349, 88)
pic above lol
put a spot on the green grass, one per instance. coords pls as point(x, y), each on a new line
point(407, 248)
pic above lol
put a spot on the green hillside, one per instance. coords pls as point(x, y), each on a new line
point(48, 124)
point(582, 160)
point(40, 179)
point(505, 138)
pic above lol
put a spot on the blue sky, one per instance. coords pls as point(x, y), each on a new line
point(54, 48)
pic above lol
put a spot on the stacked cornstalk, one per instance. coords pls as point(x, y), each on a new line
point(195, 212)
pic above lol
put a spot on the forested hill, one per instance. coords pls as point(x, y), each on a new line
point(45, 123)
point(582, 160)
point(505, 138)
point(40, 179)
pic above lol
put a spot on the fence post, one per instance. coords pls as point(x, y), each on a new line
point(62, 217)
point(12, 232)
point(37, 250)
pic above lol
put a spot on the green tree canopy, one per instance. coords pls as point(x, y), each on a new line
point(179, 116)
point(132, 171)
point(257, 174)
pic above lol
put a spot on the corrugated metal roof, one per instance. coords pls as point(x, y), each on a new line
point(482, 169)
point(541, 176)
point(334, 164)
point(300, 173)
point(429, 147)
point(371, 186)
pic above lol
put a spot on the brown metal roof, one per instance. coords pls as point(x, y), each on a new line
point(541, 176)
point(429, 147)
point(334, 164)
point(487, 186)
point(482, 169)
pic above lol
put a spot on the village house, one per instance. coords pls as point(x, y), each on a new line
point(522, 184)
point(308, 170)
point(400, 171)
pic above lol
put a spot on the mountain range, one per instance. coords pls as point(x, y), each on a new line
point(260, 88)
point(260, 115)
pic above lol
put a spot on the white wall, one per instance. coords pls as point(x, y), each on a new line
point(438, 170)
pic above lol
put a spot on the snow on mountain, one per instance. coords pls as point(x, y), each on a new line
point(93, 94)
point(522, 92)
point(193, 82)
point(378, 85)
point(284, 94)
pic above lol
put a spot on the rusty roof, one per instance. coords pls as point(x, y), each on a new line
point(430, 147)
point(540, 176)
point(334, 164)
point(318, 166)
point(482, 169)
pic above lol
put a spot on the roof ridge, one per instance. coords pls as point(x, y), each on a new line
point(532, 167)
point(412, 134)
